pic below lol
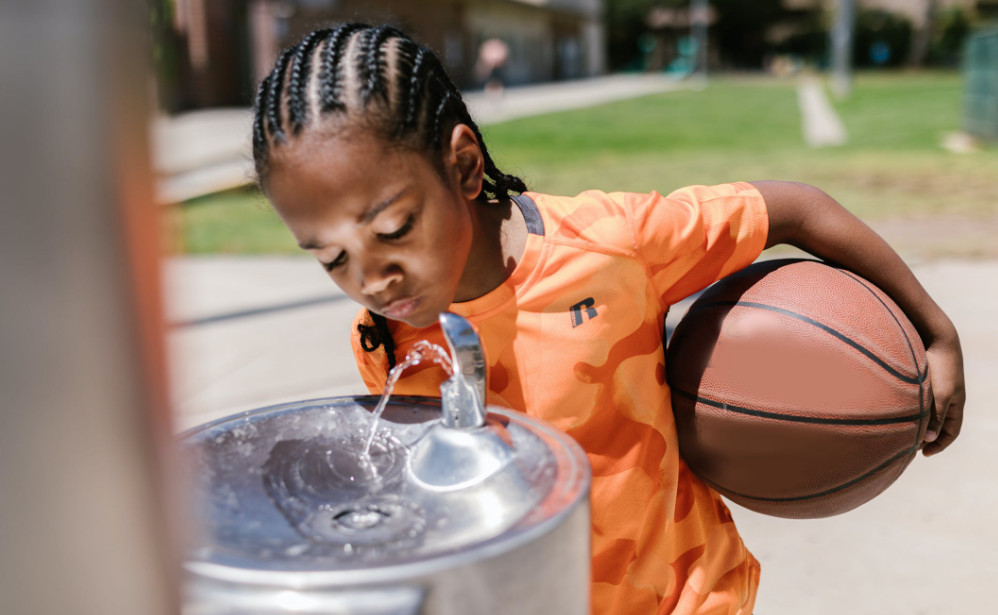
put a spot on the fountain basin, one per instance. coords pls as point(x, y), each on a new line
point(490, 519)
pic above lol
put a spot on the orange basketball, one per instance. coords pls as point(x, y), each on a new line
point(799, 390)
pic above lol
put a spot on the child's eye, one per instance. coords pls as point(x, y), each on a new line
point(402, 231)
point(338, 261)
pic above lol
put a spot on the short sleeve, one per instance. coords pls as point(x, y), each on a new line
point(371, 365)
point(697, 235)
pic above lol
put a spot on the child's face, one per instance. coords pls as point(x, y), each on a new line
point(391, 232)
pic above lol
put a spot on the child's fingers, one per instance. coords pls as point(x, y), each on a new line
point(940, 407)
point(945, 374)
point(950, 430)
point(933, 448)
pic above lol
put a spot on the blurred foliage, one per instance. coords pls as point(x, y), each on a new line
point(739, 31)
point(951, 29)
point(167, 51)
point(625, 23)
point(809, 40)
point(882, 38)
point(741, 27)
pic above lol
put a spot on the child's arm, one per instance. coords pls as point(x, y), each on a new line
point(805, 217)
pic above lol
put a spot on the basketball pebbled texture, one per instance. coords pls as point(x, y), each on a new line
point(799, 390)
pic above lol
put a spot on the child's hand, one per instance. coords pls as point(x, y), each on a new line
point(946, 373)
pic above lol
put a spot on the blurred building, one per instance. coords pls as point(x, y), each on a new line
point(226, 46)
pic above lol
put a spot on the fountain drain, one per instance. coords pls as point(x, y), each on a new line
point(385, 523)
point(361, 520)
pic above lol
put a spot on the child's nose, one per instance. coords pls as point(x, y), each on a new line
point(378, 280)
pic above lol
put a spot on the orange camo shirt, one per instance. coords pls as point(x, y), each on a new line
point(574, 337)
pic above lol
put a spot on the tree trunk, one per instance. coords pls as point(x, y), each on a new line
point(923, 36)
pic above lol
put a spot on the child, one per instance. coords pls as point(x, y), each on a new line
point(369, 155)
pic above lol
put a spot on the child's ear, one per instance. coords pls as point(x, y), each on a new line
point(466, 160)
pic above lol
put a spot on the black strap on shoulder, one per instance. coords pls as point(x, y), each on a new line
point(532, 215)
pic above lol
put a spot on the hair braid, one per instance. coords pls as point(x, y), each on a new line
point(375, 84)
point(259, 125)
point(276, 95)
point(332, 55)
point(378, 334)
point(438, 119)
point(416, 83)
point(301, 67)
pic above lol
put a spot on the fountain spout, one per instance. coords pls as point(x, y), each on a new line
point(463, 394)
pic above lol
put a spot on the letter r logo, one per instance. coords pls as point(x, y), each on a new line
point(585, 304)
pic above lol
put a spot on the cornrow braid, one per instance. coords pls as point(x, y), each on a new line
point(332, 55)
point(406, 97)
point(259, 129)
point(376, 83)
point(416, 82)
point(301, 66)
point(276, 95)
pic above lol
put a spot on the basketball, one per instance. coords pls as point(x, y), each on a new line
point(800, 390)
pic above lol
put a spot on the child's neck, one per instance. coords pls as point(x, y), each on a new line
point(500, 235)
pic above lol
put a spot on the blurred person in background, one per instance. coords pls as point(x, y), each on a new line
point(492, 56)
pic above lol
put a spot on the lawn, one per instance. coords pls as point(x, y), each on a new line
point(893, 167)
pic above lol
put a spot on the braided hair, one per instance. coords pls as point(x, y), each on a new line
point(379, 79)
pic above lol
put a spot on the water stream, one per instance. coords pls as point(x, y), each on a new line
point(421, 350)
point(342, 489)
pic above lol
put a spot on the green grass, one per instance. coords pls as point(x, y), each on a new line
point(235, 222)
point(893, 166)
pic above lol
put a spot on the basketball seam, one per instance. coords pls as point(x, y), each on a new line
point(762, 306)
point(846, 485)
point(907, 340)
point(921, 377)
point(796, 418)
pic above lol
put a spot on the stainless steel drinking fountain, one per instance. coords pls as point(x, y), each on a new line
point(460, 508)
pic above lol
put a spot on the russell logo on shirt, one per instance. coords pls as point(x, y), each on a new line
point(577, 309)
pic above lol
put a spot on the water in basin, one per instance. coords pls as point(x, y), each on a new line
point(292, 486)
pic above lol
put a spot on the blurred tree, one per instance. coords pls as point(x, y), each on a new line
point(167, 52)
point(741, 27)
point(739, 31)
point(882, 38)
point(920, 41)
point(809, 41)
point(625, 23)
point(952, 28)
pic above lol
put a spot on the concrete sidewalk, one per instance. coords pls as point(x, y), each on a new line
point(270, 329)
point(207, 151)
point(820, 124)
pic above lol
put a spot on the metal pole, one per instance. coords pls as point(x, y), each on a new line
point(699, 15)
point(82, 526)
point(842, 37)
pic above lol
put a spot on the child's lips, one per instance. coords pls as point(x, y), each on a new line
point(401, 308)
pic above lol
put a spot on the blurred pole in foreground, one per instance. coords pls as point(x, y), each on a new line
point(842, 35)
point(83, 411)
point(699, 18)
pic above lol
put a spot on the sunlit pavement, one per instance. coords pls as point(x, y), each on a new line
point(255, 331)
point(252, 331)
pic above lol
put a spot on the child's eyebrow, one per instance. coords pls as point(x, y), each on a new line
point(373, 212)
point(366, 217)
